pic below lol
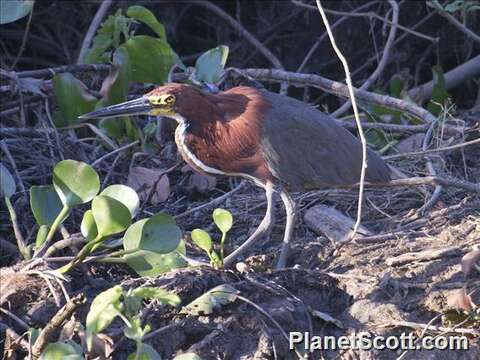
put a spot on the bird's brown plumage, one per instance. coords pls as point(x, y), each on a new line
point(270, 137)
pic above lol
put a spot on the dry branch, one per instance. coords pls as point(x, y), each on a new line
point(453, 78)
point(383, 61)
point(425, 255)
point(55, 323)
point(339, 89)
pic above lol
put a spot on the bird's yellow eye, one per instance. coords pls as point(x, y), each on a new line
point(166, 99)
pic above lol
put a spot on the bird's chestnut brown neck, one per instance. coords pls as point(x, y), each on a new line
point(205, 110)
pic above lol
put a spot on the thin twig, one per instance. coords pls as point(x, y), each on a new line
point(120, 149)
point(211, 203)
point(24, 38)
point(269, 317)
point(245, 33)
point(57, 320)
point(19, 321)
point(431, 171)
point(357, 118)
point(369, 14)
point(50, 72)
point(415, 325)
point(324, 35)
point(97, 19)
point(339, 89)
point(469, 33)
point(431, 151)
point(383, 61)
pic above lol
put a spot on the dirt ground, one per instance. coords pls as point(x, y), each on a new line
point(385, 284)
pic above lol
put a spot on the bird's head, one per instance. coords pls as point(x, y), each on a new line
point(177, 101)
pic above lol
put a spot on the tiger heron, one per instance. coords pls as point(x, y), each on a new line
point(281, 144)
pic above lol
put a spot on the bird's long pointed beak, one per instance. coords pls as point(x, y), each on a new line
point(140, 106)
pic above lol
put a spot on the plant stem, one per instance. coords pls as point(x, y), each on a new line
point(81, 255)
point(222, 241)
point(16, 229)
point(58, 220)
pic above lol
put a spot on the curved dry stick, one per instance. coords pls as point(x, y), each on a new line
point(102, 10)
point(431, 151)
point(383, 61)
point(357, 117)
point(431, 170)
point(244, 32)
point(339, 89)
point(369, 14)
point(458, 24)
point(453, 78)
point(324, 35)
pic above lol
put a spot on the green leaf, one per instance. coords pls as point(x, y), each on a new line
point(144, 352)
point(96, 54)
point(202, 239)
point(211, 63)
point(135, 330)
point(144, 15)
point(149, 263)
point(88, 226)
point(157, 293)
point(114, 91)
point(157, 234)
point(211, 300)
point(60, 351)
point(72, 98)
point(75, 182)
point(7, 184)
point(187, 356)
point(111, 216)
point(12, 10)
point(108, 36)
point(125, 194)
point(439, 92)
point(223, 219)
point(45, 204)
point(41, 235)
point(395, 87)
point(104, 309)
point(151, 59)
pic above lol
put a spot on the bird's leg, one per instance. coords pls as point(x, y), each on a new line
point(290, 209)
point(262, 229)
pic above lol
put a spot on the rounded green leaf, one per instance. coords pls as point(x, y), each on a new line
point(158, 234)
point(45, 204)
point(88, 226)
point(149, 263)
point(75, 182)
point(60, 351)
point(125, 194)
point(105, 307)
point(202, 239)
point(144, 15)
point(205, 304)
point(223, 219)
point(110, 215)
point(7, 183)
point(12, 10)
point(164, 296)
point(150, 58)
point(73, 99)
point(210, 64)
